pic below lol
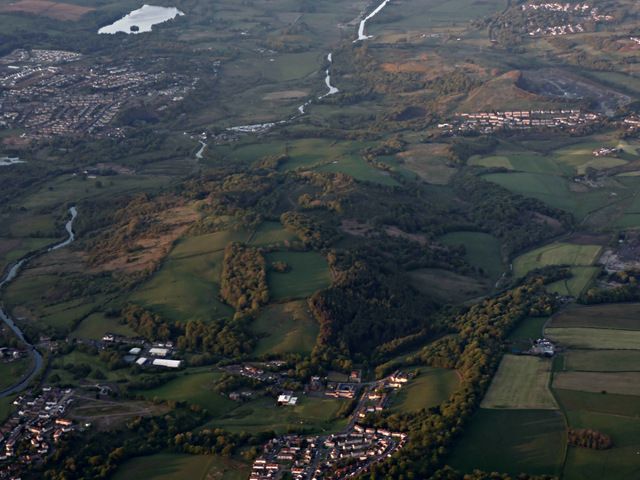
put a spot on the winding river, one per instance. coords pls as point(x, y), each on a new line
point(4, 316)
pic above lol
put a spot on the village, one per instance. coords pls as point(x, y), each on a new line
point(338, 455)
point(51, 92)
point(488, 122)
point(30, 434)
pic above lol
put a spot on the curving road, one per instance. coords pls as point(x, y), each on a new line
point(4, 316)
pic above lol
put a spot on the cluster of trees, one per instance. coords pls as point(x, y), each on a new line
point(365, 306)
point(587, 438)
point(215, 338)
point(243, 283)
point(311, 232)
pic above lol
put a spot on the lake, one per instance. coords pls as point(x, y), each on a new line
point(144, 18)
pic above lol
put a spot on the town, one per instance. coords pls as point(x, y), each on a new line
point(51, 93)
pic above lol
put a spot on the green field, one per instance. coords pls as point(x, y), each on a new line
point(482, 251)
point(175, 466)
point(521, 382)
point(602, 360)
point(262, 414)
point(96, 325)
point(187, 285)
point(430, 388)
point(308, 273)
point(595, 338)
point(285, 328)
point(556, 254)
point(609, 403)
point(511, 441)
point(623, 316)
point(621, 383)
point(194, 388)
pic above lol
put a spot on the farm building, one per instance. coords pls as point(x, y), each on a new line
point(163, 362)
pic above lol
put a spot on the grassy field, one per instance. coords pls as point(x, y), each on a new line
point(308, 273)
point(595, 338)
point(521, 382)
point(194, 388)
point(430, 388)
point(622, 383)
point(97, 324)
point(445, 286)
point(623, 316)
point(77, 357)
point(552, 190)
point(271, 233)
point(529, 328)
point(187, 285)
point(175, 466)
point(602, 360)
point(578, 283)
point(556, 254)
point(285, 328)
point(511, 441)
point(482, 251)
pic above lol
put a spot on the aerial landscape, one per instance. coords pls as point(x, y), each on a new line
point(297, 239)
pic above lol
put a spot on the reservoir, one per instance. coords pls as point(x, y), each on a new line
point(141, 20)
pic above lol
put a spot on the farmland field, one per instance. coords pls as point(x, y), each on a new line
point(482, 250)
point(556, 254)
point(621, 462)
point(521, 382)
point(625, 316)
point(596, 338)
point(581, 278)
point(609, 403)
point(430, 388)
point(308, 273)
point(602, 360)
point(285, 328)
point(175, 466)
point(623, 383)
point(512, 441)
